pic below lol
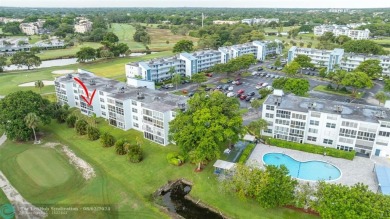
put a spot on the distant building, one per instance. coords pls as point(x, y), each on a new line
point(29, 28)
point(339, 10)
point(338, 30)
point(8, 46)
point(344, 126)
point(123, 106)
point(188, 64)
point(337, 57)
point(83, 25)
point(253, 21)
point(8, 20)
point(225, 22)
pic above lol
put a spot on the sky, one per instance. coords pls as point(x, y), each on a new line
point(201, 3)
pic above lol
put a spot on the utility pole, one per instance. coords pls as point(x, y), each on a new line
point(202, 19)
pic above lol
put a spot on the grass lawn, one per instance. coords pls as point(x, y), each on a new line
point(125, 34)
point(3, 198)
point(127, 185)
point(113, 68)
point(34, 163)
point(66, 53)
point(34, 39)
point(323, 88)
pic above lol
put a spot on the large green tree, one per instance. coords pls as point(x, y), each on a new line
point(198, 78)
point(297, 86)
point(183, 46)
point(110, 37)
point(176, 79)
point(303, 61)
point(25, 59)
point(381, 97)
point(210, 122)
point(357, 80)
point(292, 68)
point(15, 107)
point(3, 63)
point(364, 46)
point(85, 54)
point(337, 77)
point(371, 67)
point(257, 126)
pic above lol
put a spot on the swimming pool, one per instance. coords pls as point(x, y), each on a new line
point(310, 170)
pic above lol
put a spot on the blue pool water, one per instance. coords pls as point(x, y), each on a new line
point(310, 170)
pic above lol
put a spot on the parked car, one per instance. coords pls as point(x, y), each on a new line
point(381, 78)
point(187, 81)
point(254, 73)
point(225, 87)
point(219, 87)
point(238, 95)
point(258, 87)
point(241, 91)
point(191, 94)
point(230, 94)
point(170, 85)
point(207, 88)
point(252, 93)
point(269, 66)
point(238, 78)
point(243, 97)
point(279, 68)
point(248, 98)
point(229, 81)
point(264, 85)
point(231, 88)
point(209, 74)
point(238, 83)
point(260, 69)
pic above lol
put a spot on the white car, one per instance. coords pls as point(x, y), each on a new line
point(381, 79)
point(170, 85)
point(234, 82)
point(258, 87)
point(230, 88)
point(231, 94)
point(254, 73)
point(264, 85)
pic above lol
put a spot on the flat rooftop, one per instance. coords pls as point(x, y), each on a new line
point(153, 99)
point(365, 113)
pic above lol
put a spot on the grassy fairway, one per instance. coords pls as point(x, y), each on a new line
point(127, 185)
point(113, 68)
point(125, 34)
point(44, 166)
point(3, 198)
point(65, 53)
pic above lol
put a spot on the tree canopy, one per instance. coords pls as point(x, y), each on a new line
point(210, 122)
point(15, 107)
point(292, 68)
point(85, 54)
point(364, 46)
point(25, 59)
point(371, 67)
point(183, 46)
point(357, 80)
point(303, 61)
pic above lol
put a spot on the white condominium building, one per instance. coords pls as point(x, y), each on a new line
point(345, 126)
point(188, 64)
point(337, 57)
point(225, 22)
point(252, 21)
point(29, 28)
point(83, 26)
point(338, 30)
point(125, 107)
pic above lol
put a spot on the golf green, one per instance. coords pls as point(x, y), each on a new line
point(45, 166)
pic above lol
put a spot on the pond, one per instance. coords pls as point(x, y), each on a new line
point(45, 64)
point(174, 200)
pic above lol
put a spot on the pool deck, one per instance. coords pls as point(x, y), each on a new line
point(360, 169)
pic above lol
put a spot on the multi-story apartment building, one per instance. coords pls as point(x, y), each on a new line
point(339, 10)
point(333, 58)
point(188, 64)
point(345, 126)
point(252, 21)
point(224, 22)
point(82, 26)
point(125, 107)
point(29, 28)
point(8, 20)
point(156, 69)
point(326, 58)
point(10, 46)
point(338, 30)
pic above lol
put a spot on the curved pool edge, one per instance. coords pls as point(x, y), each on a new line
point(332, 180)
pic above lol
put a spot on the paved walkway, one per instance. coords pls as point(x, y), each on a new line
point(358, 170)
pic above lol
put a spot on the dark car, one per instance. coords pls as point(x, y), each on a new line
point(225, 87)
point(191, 94)
point(229, 81)
point(219, 87)
point(248, 98)
point(252, 93)
point(238, 78)
point(260, 69)
point(207, 88)
point(238, 95)
point(165, 86)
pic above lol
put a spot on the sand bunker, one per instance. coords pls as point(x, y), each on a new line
point(32, 84)
point(62, 72)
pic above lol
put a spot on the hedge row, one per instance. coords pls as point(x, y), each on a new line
point(246, 153)
point(333, 152)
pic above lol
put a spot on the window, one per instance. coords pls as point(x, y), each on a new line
point(134, 110)
point(104, 113)
point(314, 122)
point(283, 114)
point(102, 106)
point(327, 141)
point(366, 136)
point(268, 131)
point(315, 114)
point(269, 115)
point(135, 118)
point(311, 138)
point(133, 102)
point(102, 100)
point(101, 93)
point(346, 140)
point(348, 133)
point(282, 122)
point(298, 116)
point(312, 130)
point(331, 125)
point(135, 125)
point(349, 124)
point(331, 117)
point(385, 134)
point(119, 111)
point(297, 124)
point(344, 148)
point(268, 107)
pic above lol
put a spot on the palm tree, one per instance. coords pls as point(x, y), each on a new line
point(257, 126)
point(176, 79)
point(381, 97)
point(32, 121)
point(39, 84)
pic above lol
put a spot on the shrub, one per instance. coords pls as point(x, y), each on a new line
point(135, 154)
point(344, 89)
point(120, 146)
point(329, 87)
point(107, 139)
point(71, 121)
point(81, 127)
point(93, 133)
point(333, 152)
point(175, 159)
point(246, 153)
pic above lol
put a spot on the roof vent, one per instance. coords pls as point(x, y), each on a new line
point(69, 76)
point(380, 114)
point(140, 95)
point(312, 105)
point(338, 108)
point(92, 82)
point(121, 90)
point(278, 100)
